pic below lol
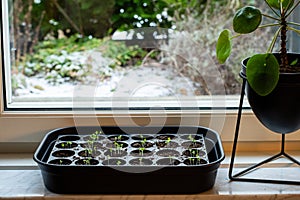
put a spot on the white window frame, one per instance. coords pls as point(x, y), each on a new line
point(29, 127)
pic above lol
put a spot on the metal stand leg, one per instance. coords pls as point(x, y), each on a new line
point(237, 177)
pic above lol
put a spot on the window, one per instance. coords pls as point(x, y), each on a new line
point(53, 76)
point(54, 62)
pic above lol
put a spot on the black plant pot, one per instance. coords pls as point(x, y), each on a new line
point(280, 110)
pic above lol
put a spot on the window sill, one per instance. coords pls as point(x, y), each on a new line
point(20, 178)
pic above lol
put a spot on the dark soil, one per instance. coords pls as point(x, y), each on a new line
point(63, 153)
point(115, 145)
point(168, 161)
point(165, 137)
point(115, 153)
point(142, 144)
point(87, 161)
point(139, 153)
point(168, 153)
point(66, 145)
point(194, 161)
point(118, 138)
point(140, 161)
point(164, 144)
point(114, 161)
point(95, 145)
point(61, 162)
point(87, 153)
point(193, 153)
point(191, 137)
point(69, 138)
point(142, 137)
point(189, 145)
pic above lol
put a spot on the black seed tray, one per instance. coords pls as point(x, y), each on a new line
point(131, 160)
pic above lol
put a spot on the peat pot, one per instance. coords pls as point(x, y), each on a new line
point(129, 160)
point(279, 111)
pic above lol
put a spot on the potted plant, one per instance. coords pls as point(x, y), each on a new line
point(272, 79)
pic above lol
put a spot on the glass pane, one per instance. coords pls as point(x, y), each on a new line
point(136, 51)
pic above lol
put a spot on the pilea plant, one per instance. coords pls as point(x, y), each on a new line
point(263, 69)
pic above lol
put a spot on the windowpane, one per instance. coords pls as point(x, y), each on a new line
point(122, 54)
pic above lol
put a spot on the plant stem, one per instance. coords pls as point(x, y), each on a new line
point(294, 23)
point(283, 50)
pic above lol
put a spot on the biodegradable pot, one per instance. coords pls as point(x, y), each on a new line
point(83, 166)
point(280, 110)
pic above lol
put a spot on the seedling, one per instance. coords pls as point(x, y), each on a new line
point(143, 142)
point(168, 141)
point(66, 144)
point(87, 161)
point(118, 147)
point(142, 149)
point(118, 162)
point(193, 140)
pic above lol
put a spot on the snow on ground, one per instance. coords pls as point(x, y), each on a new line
point(151, 80)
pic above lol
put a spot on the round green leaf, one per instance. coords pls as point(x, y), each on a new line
point(224, 46)
point(247, 19)
point(263, 73)
point(276, 3)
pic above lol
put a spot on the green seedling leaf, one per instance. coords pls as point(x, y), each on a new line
point(224, 46)
point(263, 73)
point(285, 3)
point(294, 62)
point(247, 19)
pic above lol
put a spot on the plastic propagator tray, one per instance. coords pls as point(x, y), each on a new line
point(131, 160)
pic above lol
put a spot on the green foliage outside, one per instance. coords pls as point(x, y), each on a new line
point(55, 58)
point(54, 55)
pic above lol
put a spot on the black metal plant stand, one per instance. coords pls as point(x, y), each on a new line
point(239, 176)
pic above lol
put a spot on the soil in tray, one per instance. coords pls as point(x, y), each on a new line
point(168, 153)
point(66, 145)
point(71, 138)
point(166, 137)
point(115, 153)
point(63, 153)
point(116, 145)
point(87, 161)
point(94, 145)
point(118, 138)
point(166, 144)
point(192, 144)
point(60, 162)
point(142, 137)
point(191, 137)
point(89, 153)
point(193, 153)
point(114, 161)
point(168, 161)
point(142, 144)
point(141, 153)
point(93, 138)
point(194, 161)
point(140, 161)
